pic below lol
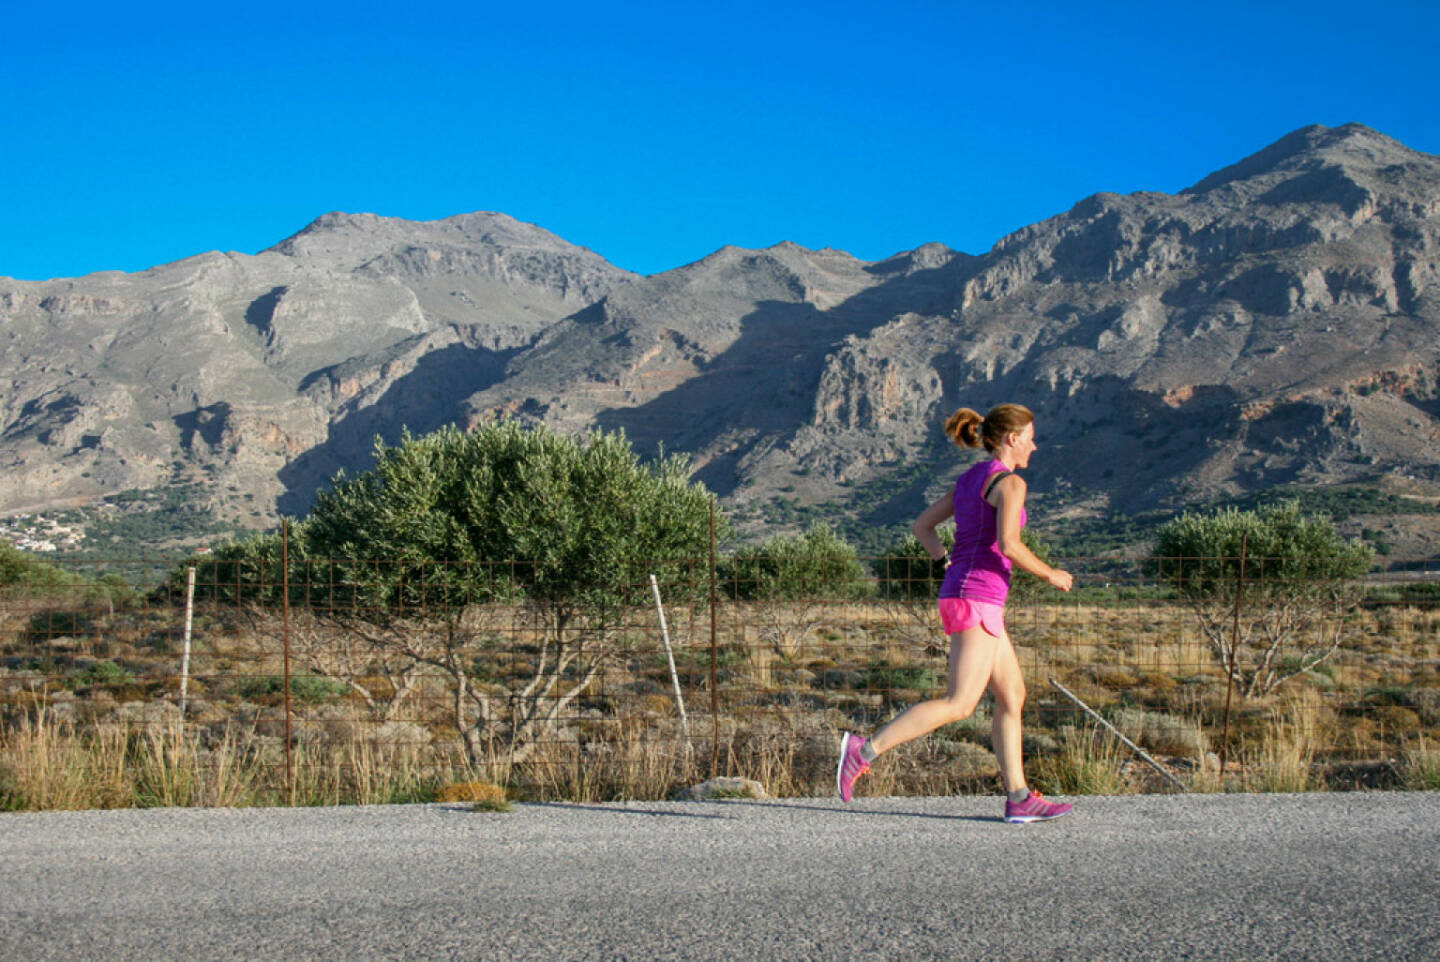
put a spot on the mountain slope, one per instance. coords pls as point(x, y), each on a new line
point(1277, 323)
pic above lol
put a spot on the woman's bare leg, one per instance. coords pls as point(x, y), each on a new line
point(1007, 685)
point(972, 655)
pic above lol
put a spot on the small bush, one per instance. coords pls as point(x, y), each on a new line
point(105, 673)
point(893, 678)
point(484, 796)
point(817, 564)
point(308, 688)
point(1162, 733)
point(46, 626)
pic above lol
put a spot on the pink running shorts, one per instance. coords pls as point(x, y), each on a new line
point(958, 614)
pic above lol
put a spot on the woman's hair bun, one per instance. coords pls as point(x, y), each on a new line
point(963, 427)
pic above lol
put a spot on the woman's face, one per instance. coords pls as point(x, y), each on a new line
point(1022, 445)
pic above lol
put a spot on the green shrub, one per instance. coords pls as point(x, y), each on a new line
point(906, 572)
point(106, 673)
point(895, 678)
point(35, 578)
point(307, 688)
point(816, 564)
point(1286, 554)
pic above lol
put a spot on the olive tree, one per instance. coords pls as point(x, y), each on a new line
point(456, 542)
point(906, 572)
point(1272, 589)
point(787, 580)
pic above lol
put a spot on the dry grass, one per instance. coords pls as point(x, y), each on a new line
point(1284, 762)
point(47, 764)
point(1420, 767)
point(1089, 762)
point(1283, 754)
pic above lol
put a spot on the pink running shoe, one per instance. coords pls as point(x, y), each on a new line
point(1035, 809)
point(851, 766)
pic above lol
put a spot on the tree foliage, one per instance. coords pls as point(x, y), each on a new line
point(25, 575)
point(1272, 588)
point(1285, 552)
point(504, 512)
point(514, 510)
point(816, 564)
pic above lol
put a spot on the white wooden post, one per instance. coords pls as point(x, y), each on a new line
point(189, 614)
point(670, 657)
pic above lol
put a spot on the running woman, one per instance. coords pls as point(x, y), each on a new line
point(988, 505)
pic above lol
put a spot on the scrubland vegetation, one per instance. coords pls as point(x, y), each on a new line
point(92, 718)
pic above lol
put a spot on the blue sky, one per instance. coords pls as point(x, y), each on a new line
point(134, 135)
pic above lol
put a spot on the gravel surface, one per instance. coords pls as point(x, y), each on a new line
point(1350, 875)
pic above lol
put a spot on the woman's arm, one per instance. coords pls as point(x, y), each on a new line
point(1008, 496)
point(925, 525)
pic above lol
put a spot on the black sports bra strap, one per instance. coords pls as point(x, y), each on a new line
point(994, 480)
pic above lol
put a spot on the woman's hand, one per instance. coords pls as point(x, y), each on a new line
point(1060, 578)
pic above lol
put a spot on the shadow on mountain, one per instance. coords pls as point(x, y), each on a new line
point(759, 390)
point(261, 311)
point(207, 424)
point(1143, 452)
point(1431, 406)
point(425, 400)
point(1112, 438)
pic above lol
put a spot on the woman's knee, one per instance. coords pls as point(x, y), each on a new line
point(1010, 697)
point(958, 708)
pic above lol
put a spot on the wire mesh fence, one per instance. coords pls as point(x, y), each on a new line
point(324, 681)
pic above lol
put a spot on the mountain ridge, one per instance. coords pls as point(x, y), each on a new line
point(1277, 323)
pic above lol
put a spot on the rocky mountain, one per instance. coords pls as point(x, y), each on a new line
point(264, 374)
point(1277, 323)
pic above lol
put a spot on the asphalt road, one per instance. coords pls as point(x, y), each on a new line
point(1320, 876)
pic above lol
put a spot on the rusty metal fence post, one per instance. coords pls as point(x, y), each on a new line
point(1230, 667)
point(714, 657)
point(285, 607)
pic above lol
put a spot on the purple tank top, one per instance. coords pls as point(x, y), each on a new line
point(978, 571)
